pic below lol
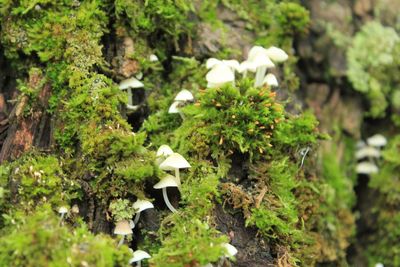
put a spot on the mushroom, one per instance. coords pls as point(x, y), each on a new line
point(139, 206)
point(162, 153)
point(231, 63)
point(246, 66)
point(377, 140)
point(138, 256)
point(368, 152)
point(271, 80)
point(122, 228)
point(174, 162)
point(167, 181)
point(174, 107)
point(153, 58)
point(219, 75)
point(276, 54)
point(230, 252)
point(62, 210)
point(366, 168)
point(258, 55)
point(128, 85)
point(184, 96)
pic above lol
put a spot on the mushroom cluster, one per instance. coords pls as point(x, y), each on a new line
point(259, 60)
point(170, 161)
point(368, 153)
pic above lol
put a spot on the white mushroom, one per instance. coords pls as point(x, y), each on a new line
point(62, 210)
point(377, 140)
point(246, 66)
point(276, 54)
point(167, 181)
point(128, 85)
point(258, 55)
point(271, 80)
point(231, 251)
point(153, 58)
point(162, 153)
point(184, 96)
point(174, 162)
point(174, 107)
point(138, 256)
point(219, 75)
point(368, 152)
point(139, 206)
point(366, 168)
point(122, 228)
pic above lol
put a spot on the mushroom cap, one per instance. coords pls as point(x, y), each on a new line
point(368, 152)
point(366, 168)
point(247, 65)
point(276, 54)
point(262, 60)
point(377, 140)
point(153, 58)
point(232, 63)
point(139, 255)
point(141, 205)
point(219, 75)
point(254, 51)
point(184, 95)
point(271, 80)
point(164, 150)
point(174, 161)
point(211, 62)
point(230, 250)
point(379, 265)
point(167, 181)
point(63, 210)
point(122, 228)
point(132, 107)
point(130, 83)
point(174, 107)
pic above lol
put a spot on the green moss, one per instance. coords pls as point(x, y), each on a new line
point(38, 239)
point(372, 57)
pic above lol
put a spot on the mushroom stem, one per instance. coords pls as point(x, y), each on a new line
point(169, 205)
point(182, 116)
point(221, 261)
point(177, 176)
point(260, 73)
point(130, 96)
point(121, 241)
point(139, 264)
point(136, 220)
point(61, 218)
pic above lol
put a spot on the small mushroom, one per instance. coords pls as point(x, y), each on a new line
point(139, 206)
point(184, 96)
point(271, 80)
point(167, 181)
point(219, 75)
point(153, 58)
point(276, 54)
point(138, 256)
point(62, 210)
point(246, 66)
point(230, 252)
point(368, 152)
point(174, 162)
point(377, 140)
point(258, 55)
point(366, 168)
point(122, 228)
point(128, 85)
point(162, 153)
point(174, 107)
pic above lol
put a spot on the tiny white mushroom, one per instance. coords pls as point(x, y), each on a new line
point(258, 55)
point(379, 264)
point(246, 66)
point(366, 168)
point(368, 152)
point(184, 96)
point(62, 210)
point(377, 140)
point(163, 152)
point(211, 62)
point(232, 63)
point(122, 228)
point(138, 256)
point(167, 181)
point(276, 54)
point(219, 75)
point(139, 206)
point(153, 58)
point(231, 251)
point(128, 85)
point(174, 107)
point(174, 162)
point(271, 80)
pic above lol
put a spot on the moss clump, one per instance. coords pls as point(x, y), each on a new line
point(372, 59)
point(37, 239)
